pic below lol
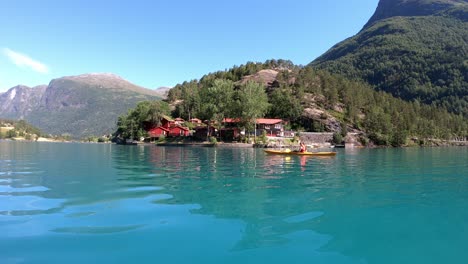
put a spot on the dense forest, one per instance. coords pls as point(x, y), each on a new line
point(384, 119)
point(421, 58)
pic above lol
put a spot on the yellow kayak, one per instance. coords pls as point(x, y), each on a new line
point(289, 152)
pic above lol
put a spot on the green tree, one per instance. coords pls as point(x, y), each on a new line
point(156, 111)
point(378, 126)
point(146, 113)
point(285, 105)
point(344, 129)
point(217, 101)
point(253, 102)
point(190, 104)
point(398, 138)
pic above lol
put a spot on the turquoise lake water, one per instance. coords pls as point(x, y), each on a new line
point(92, 203)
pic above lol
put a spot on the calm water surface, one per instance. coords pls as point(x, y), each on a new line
point(90, 203)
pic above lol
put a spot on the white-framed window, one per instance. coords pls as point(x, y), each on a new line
point(278, 126)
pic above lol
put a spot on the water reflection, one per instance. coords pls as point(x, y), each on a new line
point(357, 204)
point(263, 191)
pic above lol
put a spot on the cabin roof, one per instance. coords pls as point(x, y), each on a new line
point(168, 118)
point(159, 127)
point(265, 121)
point(269, 121)
point(181, 127)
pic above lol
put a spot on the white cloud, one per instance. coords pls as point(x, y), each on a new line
point(23, 60)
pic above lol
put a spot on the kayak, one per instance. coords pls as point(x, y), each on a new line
point(289, 152)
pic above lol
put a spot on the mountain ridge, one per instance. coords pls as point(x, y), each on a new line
point(392, 8)
point(81, 105)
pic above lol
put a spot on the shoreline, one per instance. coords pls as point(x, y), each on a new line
point(430, 144)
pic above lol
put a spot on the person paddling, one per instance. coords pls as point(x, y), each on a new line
point(302, 147)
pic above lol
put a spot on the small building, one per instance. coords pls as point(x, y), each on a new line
point(195, 121)
point(179, 131)
point(272, 126)
point(168, 128)
point(201, 132)
point(179, 121)
point(157, 132)
point(166, 122)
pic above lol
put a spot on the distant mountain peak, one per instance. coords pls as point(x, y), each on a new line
point(90, 77)
point(20, 86)
point(102, 80)
point(162, 91)
point(98, 75)
point(392, 8)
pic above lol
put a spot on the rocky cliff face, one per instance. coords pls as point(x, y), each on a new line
point(20, 100)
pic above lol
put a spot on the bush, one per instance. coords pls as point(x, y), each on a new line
point(11, 133)
point(263, 138)
point(363, 140)
point(337, 138)
point(213, 140)
point(379, 139)
point(161, 139)
point(399, 138)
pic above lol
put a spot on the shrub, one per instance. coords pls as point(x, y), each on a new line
point(337, 138)
point(213, 140)
point(161, 139)
point(263, 138)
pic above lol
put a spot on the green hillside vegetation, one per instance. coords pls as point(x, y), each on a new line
point(18, 128)
point(222, 94)
point(416, 58)
point(385, 120)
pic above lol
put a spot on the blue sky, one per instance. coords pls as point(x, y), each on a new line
point(162, 43)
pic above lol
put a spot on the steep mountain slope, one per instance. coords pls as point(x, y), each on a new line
point(81, 105)
point(414, 49)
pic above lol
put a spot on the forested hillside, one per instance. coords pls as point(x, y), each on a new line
point(416, 50)
point(296, 93)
